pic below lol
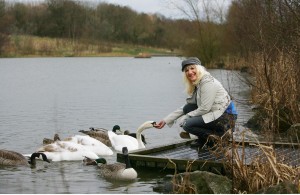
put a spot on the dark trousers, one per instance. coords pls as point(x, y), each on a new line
point(197, 126)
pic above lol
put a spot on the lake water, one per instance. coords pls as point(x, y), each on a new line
point(43, 96)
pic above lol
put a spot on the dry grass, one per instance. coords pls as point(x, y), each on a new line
point(276, 90)
point(265, 169)
point(32, 46)
point(182, 184)
point(23, 45)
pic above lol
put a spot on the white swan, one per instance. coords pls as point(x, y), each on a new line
point(91, 144)
point(120, 141)
point(66, 151)
point(127, 132)
point(75, 148)
point(116, 171)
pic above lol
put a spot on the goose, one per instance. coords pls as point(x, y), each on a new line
point(116, 171)
point(75, 148)
point(8, 157)
point(120, 141)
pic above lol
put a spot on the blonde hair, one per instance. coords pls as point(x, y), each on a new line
point(190, 86)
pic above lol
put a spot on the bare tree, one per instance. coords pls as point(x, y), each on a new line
point(4, 26)
point(269, 33)
point(203, 14)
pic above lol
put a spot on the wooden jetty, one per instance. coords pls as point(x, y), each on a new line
point(180, 154)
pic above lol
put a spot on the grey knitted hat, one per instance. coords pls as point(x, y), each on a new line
point(189, 61)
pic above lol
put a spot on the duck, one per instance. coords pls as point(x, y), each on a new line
point(115, 171)
point(75, 148)
point(50, 141)
point(117, 130)
point(12, 158)
point(120, 141)
point(101, 134)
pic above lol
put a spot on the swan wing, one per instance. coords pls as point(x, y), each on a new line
point(70, 156)
point(54, 147)
point(67, 151)
point(93, 145)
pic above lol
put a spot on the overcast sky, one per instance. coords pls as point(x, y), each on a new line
point(149, 6)
point(163, 7)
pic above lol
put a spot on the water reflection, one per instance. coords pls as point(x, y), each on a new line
point(43, 96)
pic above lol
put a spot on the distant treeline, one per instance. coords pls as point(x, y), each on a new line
point(247, 22)
point(81, 21)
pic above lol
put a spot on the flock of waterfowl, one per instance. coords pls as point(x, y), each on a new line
point(89, 148)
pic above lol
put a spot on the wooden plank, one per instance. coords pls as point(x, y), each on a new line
point(146, 158)
point(181, 154)
point(276, 143)
point(148, 161)
point(162, 147)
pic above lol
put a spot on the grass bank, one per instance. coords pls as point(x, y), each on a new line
point(32, 46)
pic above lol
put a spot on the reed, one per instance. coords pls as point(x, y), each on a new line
point(33, 46)
point(276, 90)
point(263, 169)
point(183, 184)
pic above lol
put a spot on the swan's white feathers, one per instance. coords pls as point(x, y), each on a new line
point(92, 144)
point(70, 156)
point(120, 141)
point(76, 148)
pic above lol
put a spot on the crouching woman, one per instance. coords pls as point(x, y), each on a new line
point(208, 109)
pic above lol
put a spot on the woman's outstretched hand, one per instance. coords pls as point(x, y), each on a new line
point(160, 125)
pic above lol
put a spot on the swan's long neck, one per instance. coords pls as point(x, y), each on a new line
point(139, 136)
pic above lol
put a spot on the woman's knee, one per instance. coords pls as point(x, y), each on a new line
point(193, 124)
point(187, 127)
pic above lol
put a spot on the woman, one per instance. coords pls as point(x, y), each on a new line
point(208, 109)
